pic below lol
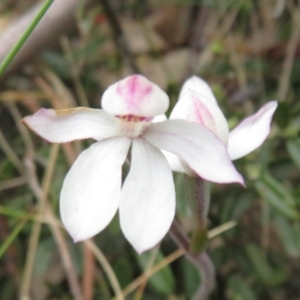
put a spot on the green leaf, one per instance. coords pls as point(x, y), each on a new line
point(279, 189)
point(239, 289)
point(293, 147)
point(190, 278)
point(289, 233)
point(262, 267)
point(278, 197)
point(235, 205)
point(43, 255)
point(163, 281)
point(123, 270)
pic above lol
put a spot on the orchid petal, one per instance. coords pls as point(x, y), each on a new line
point(197, 146)
point(199, 86)
point(172, 159)
point(135, 95)
point(197, 108)
point(251, 132)
point(147, 206)
point(61, 126)
point(159, 118)
point(91, 191)
point(174, 162)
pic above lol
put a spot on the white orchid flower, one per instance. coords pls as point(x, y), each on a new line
point(198, 104)
point(92, 191)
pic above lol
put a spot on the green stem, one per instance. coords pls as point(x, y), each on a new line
point(201, 260)
point(10, 56)
point(198, 195)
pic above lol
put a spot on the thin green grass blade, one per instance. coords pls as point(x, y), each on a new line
point(10, 56)
point(11, 237)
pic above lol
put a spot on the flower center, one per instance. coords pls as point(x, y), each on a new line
point(133, 126)
point(132, 118)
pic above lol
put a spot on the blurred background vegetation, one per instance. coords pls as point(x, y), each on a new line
point(249, 53)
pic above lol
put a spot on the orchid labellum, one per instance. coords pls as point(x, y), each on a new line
point(92, 191)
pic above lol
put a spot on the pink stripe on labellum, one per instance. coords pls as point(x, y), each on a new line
point(134, 90)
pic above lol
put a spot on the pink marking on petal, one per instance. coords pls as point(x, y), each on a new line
point(201, 115)
point(256, 117)
point(43, 112)
point(133, 118)
point(134, 91)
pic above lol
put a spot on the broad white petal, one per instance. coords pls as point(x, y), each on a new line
point(197, 146)
point(135, 95)
point(251, 132)
point(61, 126)
point(147, 206)
point(198, 85)
point(91, 191)
point(197, 108)
point(172, 159)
